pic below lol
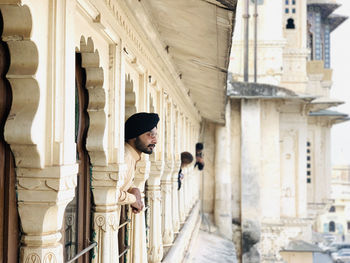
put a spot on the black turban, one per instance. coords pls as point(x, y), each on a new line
point(140, 123)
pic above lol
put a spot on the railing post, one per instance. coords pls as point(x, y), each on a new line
point(155, 252)
point(182, 212)
point(166, 188)
point(106, 215)
point(175, 198)
point(138, 242)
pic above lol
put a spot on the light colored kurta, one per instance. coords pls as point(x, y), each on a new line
point(131, 157)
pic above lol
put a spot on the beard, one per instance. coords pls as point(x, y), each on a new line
point(148, 149)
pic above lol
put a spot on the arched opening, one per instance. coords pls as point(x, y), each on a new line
point(290, 24)
point(130, 97)
point(124, 233)
point(331, 226)
point(9, 226)
point(77, 229)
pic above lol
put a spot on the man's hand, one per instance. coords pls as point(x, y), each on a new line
point(136, 192)
point(138, 205)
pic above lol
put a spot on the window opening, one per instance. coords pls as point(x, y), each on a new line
point(290, 24)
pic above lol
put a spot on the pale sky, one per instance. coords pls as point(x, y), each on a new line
point(340, 63)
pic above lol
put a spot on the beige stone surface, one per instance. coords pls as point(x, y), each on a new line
point(211, 247)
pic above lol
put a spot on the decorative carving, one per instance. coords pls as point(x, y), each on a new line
point(168, 236)
point(153, 195)
point(100, 222)
point(50, 258)
point(43, 184)
point(33, 258)
point(112, 5)
point(113, 222)
point(155, 254)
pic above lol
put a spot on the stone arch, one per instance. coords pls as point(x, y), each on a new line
point(91, 146)
point(96, 141)
point(331, 226)
point(130, 97)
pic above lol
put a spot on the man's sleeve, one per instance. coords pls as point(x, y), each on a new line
point(126, 198)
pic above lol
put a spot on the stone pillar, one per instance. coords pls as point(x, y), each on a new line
point(181, 193)
point(223, 192)
point(184, 189)
point(155, 252)
point(250, 185)
point(175, 199)
point(166, 188)
point(187, 190)
point(106, 216)
point(43, 195)
point(193, 187)
point(138, 242)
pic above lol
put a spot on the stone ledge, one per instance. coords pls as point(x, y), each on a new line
point(177, 252)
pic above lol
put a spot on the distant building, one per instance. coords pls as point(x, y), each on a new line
point(336, 220)
point(280, 126)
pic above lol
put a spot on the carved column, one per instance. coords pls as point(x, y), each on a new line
point(106, 216)
point(181, 193)
point(138, 242)
point(184, 189)
point(166, 188)
point(43, 195)
point(155, 252)
point(191, 185)
point(188, 199)
point(175, 198)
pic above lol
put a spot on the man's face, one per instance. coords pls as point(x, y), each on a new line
point(147, 141)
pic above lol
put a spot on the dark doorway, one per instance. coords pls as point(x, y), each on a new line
point(9, 220)
point(77, 228)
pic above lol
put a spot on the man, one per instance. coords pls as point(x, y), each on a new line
point(140, 137)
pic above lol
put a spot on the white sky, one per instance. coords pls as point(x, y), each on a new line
point(340, 62)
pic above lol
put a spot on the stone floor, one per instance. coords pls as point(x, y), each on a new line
point(210, 247)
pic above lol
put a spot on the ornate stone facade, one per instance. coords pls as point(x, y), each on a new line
point(126, 68)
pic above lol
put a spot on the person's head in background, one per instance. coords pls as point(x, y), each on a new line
point(199, 156)
point(186, 159)
point(199, 149)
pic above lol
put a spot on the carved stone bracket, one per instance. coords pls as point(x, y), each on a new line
point(96, 142)
point(17, 26)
